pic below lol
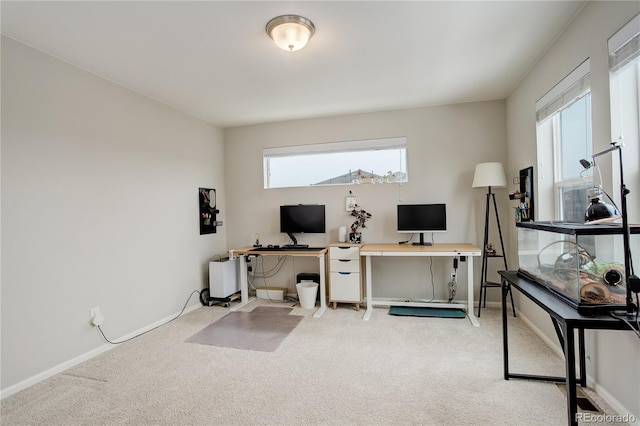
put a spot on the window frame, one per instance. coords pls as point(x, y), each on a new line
point(571, 89)
point(354, 146)
point(624, 82)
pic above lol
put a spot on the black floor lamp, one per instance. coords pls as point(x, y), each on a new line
point(490, 175)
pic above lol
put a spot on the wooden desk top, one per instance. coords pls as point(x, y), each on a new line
point(400, 249)
point(468, 249)
point(272, 252)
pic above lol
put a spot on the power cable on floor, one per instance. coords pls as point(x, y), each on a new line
point(158, 326)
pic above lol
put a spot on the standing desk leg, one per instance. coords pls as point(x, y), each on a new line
point(323, 289)
point(244, 286)
point(369, 297)
point(570, 360)
point(470, 313)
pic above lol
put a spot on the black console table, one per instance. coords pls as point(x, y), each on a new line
point(566, 320)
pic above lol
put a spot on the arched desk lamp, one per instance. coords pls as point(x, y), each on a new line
point(598, 210)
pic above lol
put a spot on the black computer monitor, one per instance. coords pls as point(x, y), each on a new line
point(421, 218)
point(302, 219)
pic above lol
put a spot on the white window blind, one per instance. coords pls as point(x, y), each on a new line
point(624, 46)
point(573, 87)
point(321, 148)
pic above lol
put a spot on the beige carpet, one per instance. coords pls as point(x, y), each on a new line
point(334, 370)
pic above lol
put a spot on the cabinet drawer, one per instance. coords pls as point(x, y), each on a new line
point(344, 265)
point(345, 287)
point(344, 252)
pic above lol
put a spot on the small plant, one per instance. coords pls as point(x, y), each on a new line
point(361, 218)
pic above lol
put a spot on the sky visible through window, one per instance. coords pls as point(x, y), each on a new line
point(575, 139)
point(306, 170)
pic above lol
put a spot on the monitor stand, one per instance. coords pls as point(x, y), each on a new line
point(295, 242)
point(422, 242)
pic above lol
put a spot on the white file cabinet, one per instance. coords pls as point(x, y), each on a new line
point(345, 274)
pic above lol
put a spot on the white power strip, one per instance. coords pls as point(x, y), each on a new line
point(271, 293)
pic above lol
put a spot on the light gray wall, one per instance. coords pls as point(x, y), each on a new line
point(444, 145)
point(99, 208)
point(613, 358)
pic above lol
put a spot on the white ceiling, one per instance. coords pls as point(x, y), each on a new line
point(214, 60)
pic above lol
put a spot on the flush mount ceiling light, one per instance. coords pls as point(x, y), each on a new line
point(290, 32)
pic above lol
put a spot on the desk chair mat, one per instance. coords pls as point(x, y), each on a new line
point(262, 329)
point(419, 311)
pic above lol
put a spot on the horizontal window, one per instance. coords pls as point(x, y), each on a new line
point(337, 163)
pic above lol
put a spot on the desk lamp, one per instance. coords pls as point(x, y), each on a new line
point(632, 280)
point(598, 210)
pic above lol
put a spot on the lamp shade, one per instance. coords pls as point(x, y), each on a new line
point(290, 32)
point(598, 210)
point(489, 174)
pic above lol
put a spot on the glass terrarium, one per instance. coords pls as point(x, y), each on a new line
point(583, 264)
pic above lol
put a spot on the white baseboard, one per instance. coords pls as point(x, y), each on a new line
point(615, 404)
point(493, 305)
point(555, 346)
point(53, 371)
point(4, 393)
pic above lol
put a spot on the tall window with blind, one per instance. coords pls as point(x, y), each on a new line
point(563, 134)
point(624, 64)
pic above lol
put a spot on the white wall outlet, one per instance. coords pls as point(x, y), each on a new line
point(95, 311)
point(96, 317)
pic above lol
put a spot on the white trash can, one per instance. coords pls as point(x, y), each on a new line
point(307, 292)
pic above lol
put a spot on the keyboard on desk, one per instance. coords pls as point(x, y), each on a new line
point(287, 248)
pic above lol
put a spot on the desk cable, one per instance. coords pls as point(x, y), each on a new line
point(433, 287)
point(156, 327)
point(268, 274)
point(636, 330)
point(454, 281)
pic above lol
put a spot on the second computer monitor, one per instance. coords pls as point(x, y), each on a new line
point(421, 218)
